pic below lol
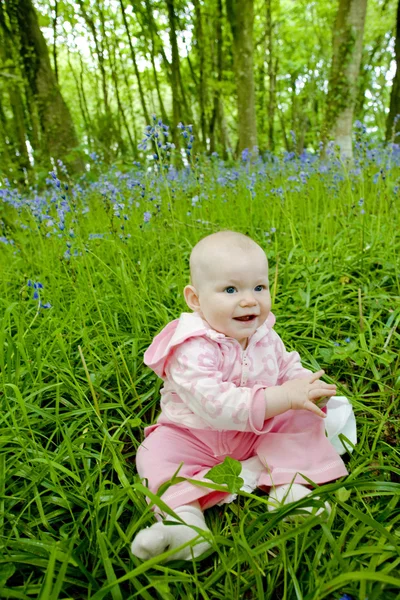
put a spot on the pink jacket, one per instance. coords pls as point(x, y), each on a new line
point(210, 382)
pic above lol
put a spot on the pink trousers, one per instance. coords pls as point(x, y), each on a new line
point(294, 446)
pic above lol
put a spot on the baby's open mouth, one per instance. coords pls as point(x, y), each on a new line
point(246, 318)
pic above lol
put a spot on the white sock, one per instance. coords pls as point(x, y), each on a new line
point(159, 538)
point(291, 492)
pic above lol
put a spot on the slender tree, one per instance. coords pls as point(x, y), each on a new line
point(393, 120)
point(348, 34)
point(272, 69)
point(175, 72)
point(135, 65)
point(202, 82)
point(241, 18)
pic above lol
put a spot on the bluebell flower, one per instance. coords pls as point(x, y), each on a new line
point(245, 155)
point(347, 340)
point(147, 216)
point(336, 344)
point(6, 241)
point(361, 202)
point(46, 305)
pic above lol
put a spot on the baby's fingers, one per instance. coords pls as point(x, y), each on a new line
point(317, 393)
point(316, 376)
point(314, 408)
point(323, 384)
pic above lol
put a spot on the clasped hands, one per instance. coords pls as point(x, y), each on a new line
point(298, 394)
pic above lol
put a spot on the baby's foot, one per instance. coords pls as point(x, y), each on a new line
point(292, 492)
point(159, 538)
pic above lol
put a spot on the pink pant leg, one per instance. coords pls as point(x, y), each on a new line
point(167, 446)
point(296, 445)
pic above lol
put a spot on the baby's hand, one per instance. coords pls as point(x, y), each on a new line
point(302, 394)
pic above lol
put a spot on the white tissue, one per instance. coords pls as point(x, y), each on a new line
point(340, 419)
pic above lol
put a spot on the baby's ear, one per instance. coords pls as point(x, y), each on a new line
point(191, 298)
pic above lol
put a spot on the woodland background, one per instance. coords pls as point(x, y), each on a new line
point(86, 76)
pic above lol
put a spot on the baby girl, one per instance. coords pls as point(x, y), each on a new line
point(230, 389)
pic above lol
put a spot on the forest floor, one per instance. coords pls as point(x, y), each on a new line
point(91, 271)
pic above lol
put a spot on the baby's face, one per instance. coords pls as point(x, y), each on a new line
point(234, 293)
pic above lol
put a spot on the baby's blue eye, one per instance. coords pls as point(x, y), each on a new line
point(259, 288)
point(230, 290)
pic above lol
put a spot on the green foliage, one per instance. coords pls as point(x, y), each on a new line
point(70, 498)
point(227, 473)
point(97, 94)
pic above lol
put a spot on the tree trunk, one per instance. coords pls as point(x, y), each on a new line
point(175, 73)
point(393, 120)
point(272, 69)
point(120, 114)
point(100, 57)
point(133, 56)
point(347, 50)
point(55, 39)
point(55, 119)
point(130, 101)
point(202, 89)
point(80, 100)
point(241, 18)
point(17, 132)
point(149, 24)
point(121, 110)
point(217, 120)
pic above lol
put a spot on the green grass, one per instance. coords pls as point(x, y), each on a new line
point(75, 395)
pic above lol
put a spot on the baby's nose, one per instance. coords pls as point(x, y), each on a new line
point(248, 301)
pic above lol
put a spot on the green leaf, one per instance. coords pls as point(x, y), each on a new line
point(227, 473)
point(342, 494)
point(6, 571)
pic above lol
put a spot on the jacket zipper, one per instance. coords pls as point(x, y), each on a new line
point(245, 368)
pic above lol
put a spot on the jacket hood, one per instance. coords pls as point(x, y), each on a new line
point(188, 325)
